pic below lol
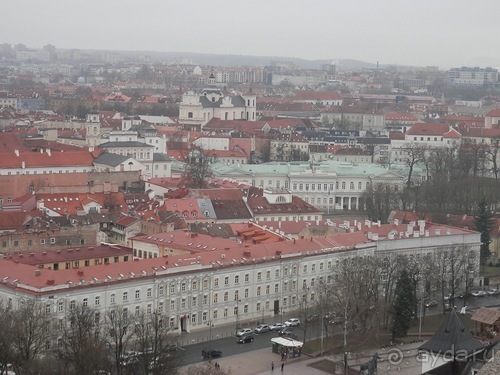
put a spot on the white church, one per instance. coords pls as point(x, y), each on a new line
point(198, 108)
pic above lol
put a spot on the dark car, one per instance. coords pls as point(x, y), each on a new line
point(245, 338)
point(431, 304)
point(287, 332)
point(211, 353)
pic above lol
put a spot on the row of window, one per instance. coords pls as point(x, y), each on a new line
point(328, 187)
point(27, 172)
point(43, 241)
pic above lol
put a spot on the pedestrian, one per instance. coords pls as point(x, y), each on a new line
point(282, 356)
point(282, 367)
point(272, 365)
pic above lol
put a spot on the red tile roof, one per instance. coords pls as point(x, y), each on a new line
point(424, 128)
point(226, 194)
point(62, 255)
point(71, 203)
point(316, 95)
point(467, 131)
point(494, 113)
point(199, 251)
point(260, 206)
point(42, 159)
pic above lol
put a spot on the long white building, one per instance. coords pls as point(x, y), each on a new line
point(198, 280)
point(328, 185)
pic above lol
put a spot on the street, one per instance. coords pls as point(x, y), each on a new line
point(228, 345)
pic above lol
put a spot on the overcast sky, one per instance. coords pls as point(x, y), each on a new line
point(443, 33)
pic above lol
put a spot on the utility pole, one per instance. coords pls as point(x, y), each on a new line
point(237, 314)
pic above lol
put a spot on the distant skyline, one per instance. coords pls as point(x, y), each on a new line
point(443, 33)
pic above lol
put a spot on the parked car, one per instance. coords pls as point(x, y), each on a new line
point(479, 293)
point(276, 326)
point(312, 317)
point(287, 332)
point(211, 353)
point(245, 338)
point(243, 331)
point(262, 328)
point(292, 322)
point(448, 297)
point(493, 292)
point(431, 303)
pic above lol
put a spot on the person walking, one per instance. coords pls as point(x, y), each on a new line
point(272, 365)
point(282, 366)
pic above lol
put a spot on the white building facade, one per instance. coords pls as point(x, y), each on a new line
point(328, 185)
point(221, 285)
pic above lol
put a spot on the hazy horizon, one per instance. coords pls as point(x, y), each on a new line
point(446, 33)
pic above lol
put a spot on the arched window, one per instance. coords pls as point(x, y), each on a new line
point(190, 114)
point(351, 185)
point(280, 199)
point(360, 185)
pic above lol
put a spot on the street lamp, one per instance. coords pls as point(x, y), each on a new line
point(210, 325)
point(306, 290)
point(237, 313)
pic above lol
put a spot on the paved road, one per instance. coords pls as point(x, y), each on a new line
point(193, 343)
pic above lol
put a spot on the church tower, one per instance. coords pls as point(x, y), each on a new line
point(250, 105)
point(93, 129)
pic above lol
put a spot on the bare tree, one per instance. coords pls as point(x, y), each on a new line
point(454, 270)
point(390, 268)
point(492, 153)
point(7, 353)
point(197, 169)
point(82, 345)
point(119, 333)
point(354, 294)
point(157, 343)
point(414, 155)
point(380, 199)
point(31, 328)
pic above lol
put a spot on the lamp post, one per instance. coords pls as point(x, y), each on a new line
point(210, 325)
point(420, 319)
point(321, 332)
point(237, 313)
point(306, 290)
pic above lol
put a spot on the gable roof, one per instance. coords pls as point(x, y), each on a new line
point(424, 128)
point(486, 315)
point(494, 113)
point(453, 337)
point(43, 159)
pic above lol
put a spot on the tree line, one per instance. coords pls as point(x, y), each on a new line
point(374, 293)
point(86, 341)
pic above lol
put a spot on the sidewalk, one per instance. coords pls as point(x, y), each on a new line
point(258, 362)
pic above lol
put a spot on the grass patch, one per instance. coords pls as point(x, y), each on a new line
point(324, 365)
point(360, 342)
